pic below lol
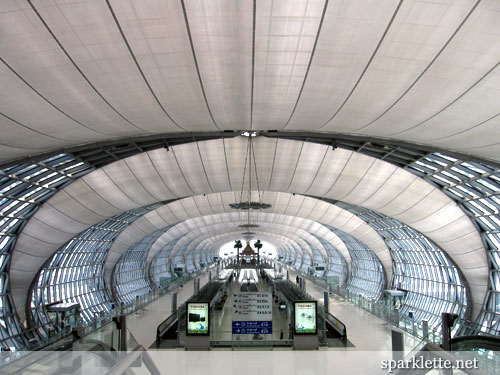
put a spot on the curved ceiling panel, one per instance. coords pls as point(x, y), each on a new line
point(95, 70)
point(205, 225)
point(282, 203)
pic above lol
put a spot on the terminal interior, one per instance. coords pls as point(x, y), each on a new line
point(302, 185)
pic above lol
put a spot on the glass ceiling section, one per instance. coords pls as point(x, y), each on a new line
point(432, 282)
point(475, 187)
point(75, 273)
point(367, 273)
point(23, 189)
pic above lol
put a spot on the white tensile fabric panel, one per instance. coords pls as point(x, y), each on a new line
point(90, 36)
point(284, 40)
point(143, 169)
point(350, 32)
point(264, 155)
point(235, 158)
point(100, 182)
point(371, 182)
point(214, 162)
point(303, 229)
point(479, 140)
point(307, 167)
point(29, 49)
point(357, 167)
point(296, 206)
point(334, 163)
point(81, 192)
point(432, 67)
point(197, 236)
point(67, 205)
point(17, 122)
point(418, 32)
point(472, 53)
point(222, 38)
point(128, 183)
point(286, 157)
point(167, 167)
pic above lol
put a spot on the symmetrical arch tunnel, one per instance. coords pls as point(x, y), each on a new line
point(122, 148)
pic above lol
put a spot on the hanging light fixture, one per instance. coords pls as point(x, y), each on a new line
point(246, 203)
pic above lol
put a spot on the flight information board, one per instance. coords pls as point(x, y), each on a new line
point(252, 313)
point(305, 314)
point(198, 319)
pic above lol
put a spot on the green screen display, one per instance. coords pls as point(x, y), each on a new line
point(197, 318)
point(305, 317)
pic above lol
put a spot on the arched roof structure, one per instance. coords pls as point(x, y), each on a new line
point(109, 106)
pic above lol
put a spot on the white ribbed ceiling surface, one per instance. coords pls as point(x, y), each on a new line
point(81, 71)
point(218, 166)
point(84, 71)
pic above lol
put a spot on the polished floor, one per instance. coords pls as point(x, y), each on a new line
point(370, 335)
point(222, 321)
point(143, 323)
point(365, 331)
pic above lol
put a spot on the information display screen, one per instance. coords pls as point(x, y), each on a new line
point(305, 317)
point(197, 318)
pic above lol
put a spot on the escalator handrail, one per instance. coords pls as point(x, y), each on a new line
point(340, 327)
point(163, 326)
point(475, 342)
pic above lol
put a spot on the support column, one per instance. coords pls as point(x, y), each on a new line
point(447, 320)
point(174, 302)
point(326, 301)
point(425, 328)
point(398, 345)
point(122, 319)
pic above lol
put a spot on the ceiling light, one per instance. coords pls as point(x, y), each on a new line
point(249, 134)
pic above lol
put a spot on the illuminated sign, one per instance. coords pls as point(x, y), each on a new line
point(197, 319)
point(305, 317)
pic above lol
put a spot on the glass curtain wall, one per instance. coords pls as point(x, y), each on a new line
point(432, 282)
point(160, 270)
point(129, 276)
point(367, 273)
point(23, 189)
point(75, 273)
point(337, 265)
point(476, 189)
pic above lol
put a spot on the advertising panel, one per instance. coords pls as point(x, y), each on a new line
point(305, 317)
point(197, 319)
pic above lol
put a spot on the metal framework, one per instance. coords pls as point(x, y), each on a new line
point(476, 188)
point(75, 273)
point(23, 189)
point(367, 273)
point(129, 276)
point(472, 182)
point(160, 269)
point(337, 265)
point(432, 282)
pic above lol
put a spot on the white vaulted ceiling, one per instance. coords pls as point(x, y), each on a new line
point(79, 73)
point(218, 166)
point(89, 70)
